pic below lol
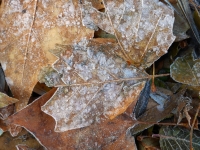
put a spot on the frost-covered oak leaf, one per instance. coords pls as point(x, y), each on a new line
point(95, 89)
point(28, 29)
point(143, 28)
point(109, 135)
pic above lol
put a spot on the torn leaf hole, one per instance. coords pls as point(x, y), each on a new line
point(24, 11)
point(102, 10)
point(39, 89)
point(102, 34)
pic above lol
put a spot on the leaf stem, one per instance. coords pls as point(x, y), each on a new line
point(153, 87)
point(164, 124)
point(116, 80)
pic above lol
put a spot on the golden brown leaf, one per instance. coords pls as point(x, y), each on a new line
point(95, 86)
point(143, 28)
point(28, 29)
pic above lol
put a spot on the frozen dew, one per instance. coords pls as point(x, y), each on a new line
point(85, 105)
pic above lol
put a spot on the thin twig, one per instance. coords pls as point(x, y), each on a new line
point(164, 124)
point(153, 87)
point(192, 128)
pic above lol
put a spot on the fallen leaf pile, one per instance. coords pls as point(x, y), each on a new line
point(109, 135)
point(95, 82)
point(28, 30)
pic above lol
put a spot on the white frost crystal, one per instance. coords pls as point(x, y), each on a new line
point(79, 106)
point(142, 27)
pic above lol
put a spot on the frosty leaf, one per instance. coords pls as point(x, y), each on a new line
point(95, 85)
point(98, 4)
point(108, 135)
point(160, 96)
point(6, 100)
point(186, 70)
point(178, 138)
point(28, 29)
point(143, 28)
point(50, 77)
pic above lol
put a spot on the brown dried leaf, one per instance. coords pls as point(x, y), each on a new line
point(28, 29)
point(5, 100)
point(22, 147)
point(98, 4)
point(6, 111)
point(95, 87)
point(183, 108)
point(151, 116)
point(142, 28)
point(105, 136)
point(7, 142)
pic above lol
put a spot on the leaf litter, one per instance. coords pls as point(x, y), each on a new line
point(79, 106)
point(108, 135)
point(141, 42)
point(151, 115)
point(28, 30)
point(82, 102)
point(96, 83)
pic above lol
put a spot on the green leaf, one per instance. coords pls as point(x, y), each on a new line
point(178, 138)
point(186, 70)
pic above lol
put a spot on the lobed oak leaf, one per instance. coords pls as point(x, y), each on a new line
point(143, 28)
point(95, 84)
point(110, 134)
point(28, 29)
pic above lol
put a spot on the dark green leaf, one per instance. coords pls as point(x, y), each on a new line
point(186, 70)
point(178, 138)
